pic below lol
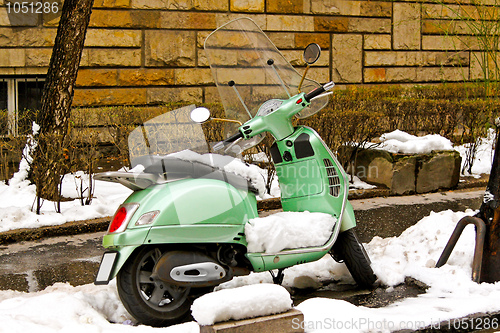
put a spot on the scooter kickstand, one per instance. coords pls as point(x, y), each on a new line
point(278, 278)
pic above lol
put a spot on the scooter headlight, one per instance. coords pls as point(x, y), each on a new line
point(122, 217)
point(147, 218)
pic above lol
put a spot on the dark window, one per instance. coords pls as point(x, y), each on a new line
point(29, 100)
point(4, 116)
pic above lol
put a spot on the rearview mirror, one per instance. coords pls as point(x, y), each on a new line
point(200, 115)
point(312, 53)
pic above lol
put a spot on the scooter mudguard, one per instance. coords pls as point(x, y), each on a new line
point(188, 211)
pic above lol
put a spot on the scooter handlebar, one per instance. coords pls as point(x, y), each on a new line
point(224, 143)
point(318, 91)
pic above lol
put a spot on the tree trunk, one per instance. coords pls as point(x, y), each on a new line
point(490, 214)
point(49, 160)
point(63, 68)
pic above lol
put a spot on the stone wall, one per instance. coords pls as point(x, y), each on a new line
point(405, 174)
point(151, 51)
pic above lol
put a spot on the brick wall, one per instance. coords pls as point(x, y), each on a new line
point(151, 51)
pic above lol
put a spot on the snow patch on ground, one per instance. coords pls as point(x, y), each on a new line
point(244, 302)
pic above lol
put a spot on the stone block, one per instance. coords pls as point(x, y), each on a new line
point(193, 76)
point(406, 34)
point(97, 77)
point(12, 58)
point(287, 322)
point(439, 170)
point(17, 20)
point(377, 42)
point(401, 74)
point(113, 57)
point(403, 175)
point(337, 7)
point(370, 25)
point(296, 58)
point(443, 74)
point(113, 96)
point(304, 39)
point(319, 74)
point(162, 4)
point(251, 6)
point(347, 56)
point(285, 6)
point(283, 41)
point(113, 38)
point(180, 50)
point(188, 21)
point(331, 24)
point(169, 95)
point(290, 23)
point(259, 19)
point(27, 37)
point(373, 75)
point(145, 77)
point(125, 19)
point(374, 166)
point(211, 95)
point(210, 5)
point(38, 57)
point(376, 8)
point(111, 4)
point(441, 11)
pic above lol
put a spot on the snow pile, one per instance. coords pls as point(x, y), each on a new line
point(229, 164)
point(404, 143)
point(484, 154)
point(417, 250)
point(451, 293)
point(288, 230)
point(63, 308)
point(240, 303)
point(16, 201)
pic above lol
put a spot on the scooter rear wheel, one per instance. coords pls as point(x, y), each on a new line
point(351, 251)
point(151, 301)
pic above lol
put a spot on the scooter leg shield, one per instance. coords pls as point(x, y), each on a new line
point(348, 218)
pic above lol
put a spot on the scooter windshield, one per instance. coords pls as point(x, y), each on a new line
point(249, 70)
point(172, 146)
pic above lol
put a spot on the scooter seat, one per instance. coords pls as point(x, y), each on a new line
point(171, 168)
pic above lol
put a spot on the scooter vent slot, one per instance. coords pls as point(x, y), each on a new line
point(333, 178)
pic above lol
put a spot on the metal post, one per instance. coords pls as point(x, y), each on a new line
point(480, 228)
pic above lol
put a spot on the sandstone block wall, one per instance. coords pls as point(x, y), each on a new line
point(151, 51)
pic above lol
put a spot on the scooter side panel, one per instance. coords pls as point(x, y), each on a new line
point(193, 202)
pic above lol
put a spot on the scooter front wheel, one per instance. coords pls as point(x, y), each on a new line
point(151, 301)
point(349, 249)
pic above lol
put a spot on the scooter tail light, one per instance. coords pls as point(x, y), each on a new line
point(122, 217)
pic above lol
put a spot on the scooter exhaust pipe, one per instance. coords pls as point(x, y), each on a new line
point(190, 269)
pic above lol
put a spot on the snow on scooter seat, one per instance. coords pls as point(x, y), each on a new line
point(288, 230)
point(229, 164)
point(239, 303)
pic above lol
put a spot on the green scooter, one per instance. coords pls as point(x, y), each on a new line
point(182, 230)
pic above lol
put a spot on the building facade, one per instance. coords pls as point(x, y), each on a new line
point(141, 52)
